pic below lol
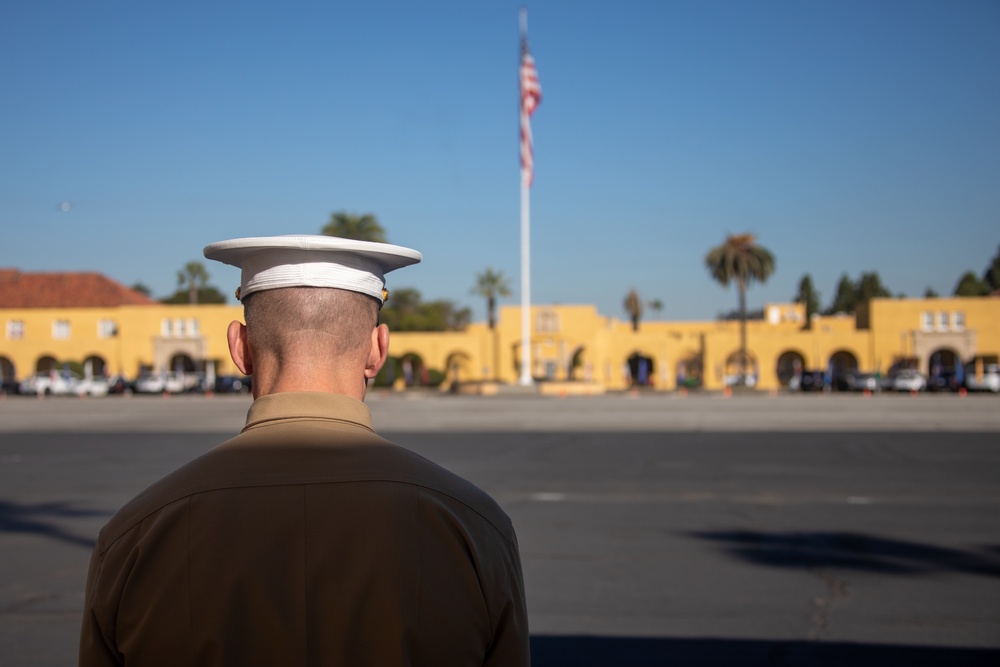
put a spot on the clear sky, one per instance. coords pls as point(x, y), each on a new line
point(849, 136)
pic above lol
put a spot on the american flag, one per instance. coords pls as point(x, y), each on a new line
point(531, 95)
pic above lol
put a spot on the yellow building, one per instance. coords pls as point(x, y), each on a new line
point(88, 321)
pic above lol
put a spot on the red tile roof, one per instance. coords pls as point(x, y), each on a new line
point(65, 290)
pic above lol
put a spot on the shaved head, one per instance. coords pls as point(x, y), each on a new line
point(297, 321)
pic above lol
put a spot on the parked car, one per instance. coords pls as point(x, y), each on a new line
point(990, 380)
point(63, 383)
point(812, 381)
point(55, 383)
point(943, 381)
point(159, 383)
point(119, 384)
point(908, 380)
point(856, 381)
point(232, 384)
point(92, 386)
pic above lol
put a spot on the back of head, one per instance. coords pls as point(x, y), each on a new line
point(320, 324)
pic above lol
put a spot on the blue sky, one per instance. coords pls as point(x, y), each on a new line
point(849, 136)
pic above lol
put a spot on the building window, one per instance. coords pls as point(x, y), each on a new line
point(166, 328)
point(942, 321)
point(60, 329)
point(179, 328)
point(927, 321)
point(107, 329)
point(958, 320)
point(547, 321)
point(15, 329)
point(193, 328)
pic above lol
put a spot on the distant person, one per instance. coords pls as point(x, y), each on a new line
point(308, 539)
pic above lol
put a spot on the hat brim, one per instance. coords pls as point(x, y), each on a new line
point(236, 251)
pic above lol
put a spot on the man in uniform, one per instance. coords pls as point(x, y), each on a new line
point(307, 539)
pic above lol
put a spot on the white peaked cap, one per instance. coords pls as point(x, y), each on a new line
point(272, 262)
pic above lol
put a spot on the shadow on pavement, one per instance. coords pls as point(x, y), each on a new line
point(40, 519)
point(853, 551)
point(584, 651)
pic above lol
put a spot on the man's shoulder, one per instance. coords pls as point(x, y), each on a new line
point(305, 453)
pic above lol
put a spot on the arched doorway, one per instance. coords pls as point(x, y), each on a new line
point(842, 364)
point(457, 368)
point(413, 370)
point(790, 365)
point(737, 365)
point(943, 360)
point(640, 369)
point(579, 364)
point(97, 366)
point(945, 370)
point(46, 364)
point(7, 371)
point(182, 363)
point(843, 361)
point(689, 370)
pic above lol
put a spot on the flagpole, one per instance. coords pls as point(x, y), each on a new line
point(525, 280)
point(525, 379)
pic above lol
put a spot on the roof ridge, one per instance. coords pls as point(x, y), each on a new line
point(65, 289)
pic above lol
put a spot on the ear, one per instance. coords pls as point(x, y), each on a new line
point(379, 351)
point(239, 347)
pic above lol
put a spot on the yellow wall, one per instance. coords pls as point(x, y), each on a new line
point(138, 341)
point(888, 330)
point(915, 328)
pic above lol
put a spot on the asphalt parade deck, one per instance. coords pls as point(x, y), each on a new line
point(654, 529)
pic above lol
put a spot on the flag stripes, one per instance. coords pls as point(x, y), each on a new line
point(531, 95)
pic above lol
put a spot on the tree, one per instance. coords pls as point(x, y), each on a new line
point(870, 287)
point(852, 296)
point(406, 311)
point(845, 299)
point(970, 285)
point(656, 305)
point(633, 306)
point(491, 284)
point(808, 296)
point(992, 274)
point(192, 277)
point(353, 226)
point(930, 293)
point(207, 294)
point(741, 261)
point(142, 289)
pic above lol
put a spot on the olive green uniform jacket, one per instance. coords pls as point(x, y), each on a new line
point(307, 540)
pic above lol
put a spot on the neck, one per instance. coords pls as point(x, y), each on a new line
point(326, 378)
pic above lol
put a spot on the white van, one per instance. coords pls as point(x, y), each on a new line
point(989, 382)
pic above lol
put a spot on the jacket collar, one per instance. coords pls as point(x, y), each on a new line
point(308, 405)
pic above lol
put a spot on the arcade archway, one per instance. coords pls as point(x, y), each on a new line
point(46, 364)
point(7, 371)
point(182, 363)
point(96, 365)
point(790, 364)
point(641, 369)
point(943, 360)
point(738, 364)
point(843, 362)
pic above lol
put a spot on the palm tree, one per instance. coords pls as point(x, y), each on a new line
point(353, 226)
point(739, 259)
point(194, 277)
point(633, 306)
point(490, 284)
point(656, 305)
